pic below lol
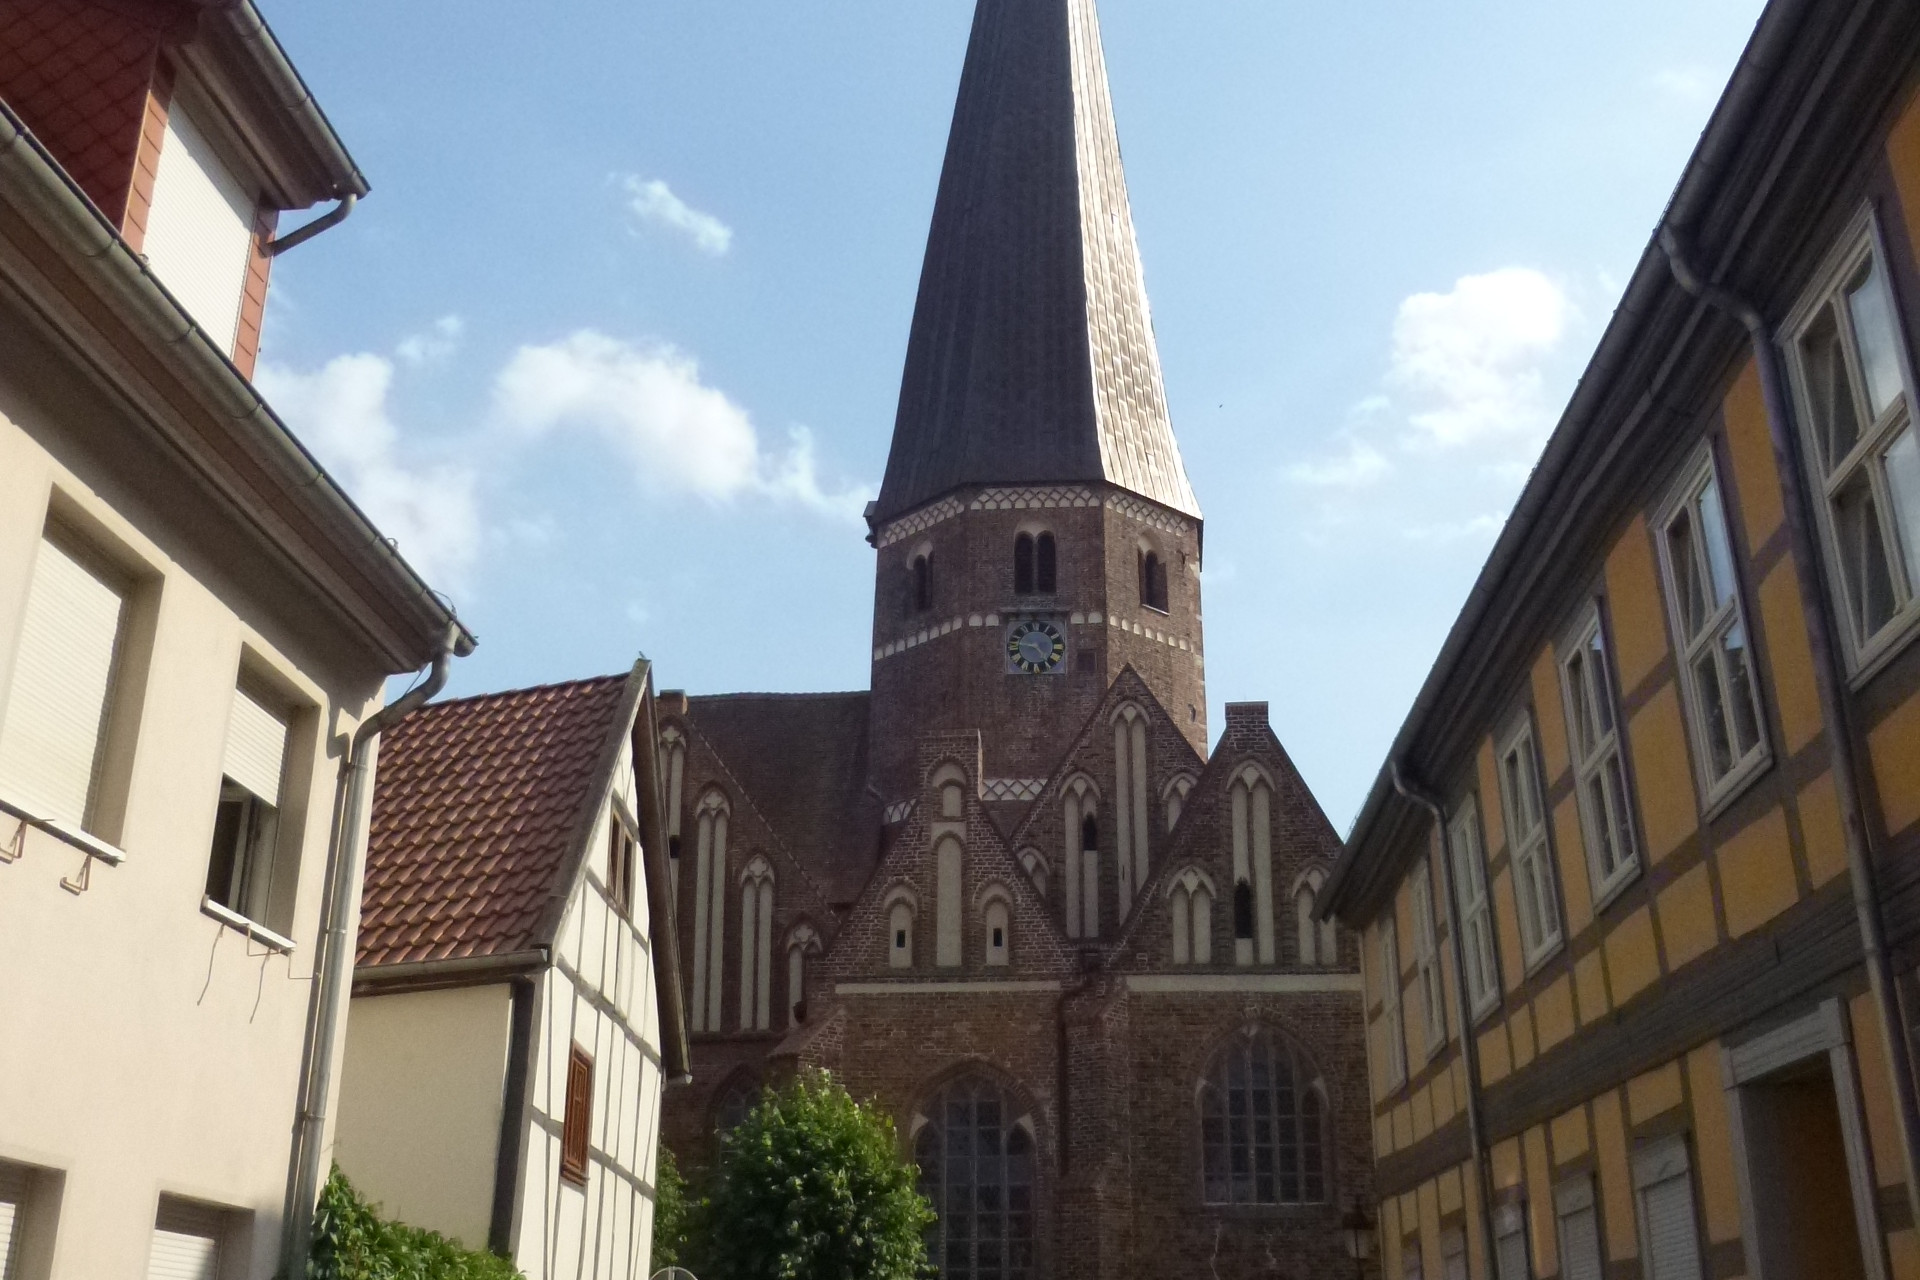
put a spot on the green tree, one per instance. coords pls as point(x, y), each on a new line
point(676, 1214)
point(811, 1187)
point(351, 1241)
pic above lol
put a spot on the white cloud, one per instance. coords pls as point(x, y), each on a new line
point(431, 511)
point(649, 402)
point(1360, 466)
point(1469, 362)
point(438, 341)
point(651, 200)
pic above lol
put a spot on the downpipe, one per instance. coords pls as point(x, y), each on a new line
point(326, 1011)
point(1816, 596)
point(1469, 1046)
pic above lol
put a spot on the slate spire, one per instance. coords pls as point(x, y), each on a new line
point(1031, 357)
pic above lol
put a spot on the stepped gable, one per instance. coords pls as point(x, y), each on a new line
point(802, 759)
point(476, 808)
point(1031, 358)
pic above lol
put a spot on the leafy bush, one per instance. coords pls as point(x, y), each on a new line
point(811, 1187)
point(676, 1213)
point(352, 1242)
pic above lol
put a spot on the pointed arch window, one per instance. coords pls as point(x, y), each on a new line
point(1191, 896)
point(1319, 942)
point(673, 771)
point(1081, 880)
point(1251, 804)
point(975, 1152)
point(922, 583)
point(996, 927)
point(1263, 1124)
point(902, 910)
point(800, 943)
point(1130, 802)
point(1174, 799)
point(735, 1103)
point(709, 910)
point(756, 946)
point(1036, 868)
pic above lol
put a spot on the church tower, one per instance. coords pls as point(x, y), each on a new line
point(1035, 531)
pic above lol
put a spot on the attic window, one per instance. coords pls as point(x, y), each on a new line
point(620, 858)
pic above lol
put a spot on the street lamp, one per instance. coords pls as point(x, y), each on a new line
point(1359, 1229)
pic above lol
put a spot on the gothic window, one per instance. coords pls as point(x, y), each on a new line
point(1251, 803)
point(734, 1104)
point(1046, 565)
point(1082, 875)
point(1263, 1125)
point(1318, 940)
point(1130, 802)
point(901, 911)
point(996, 923)
point(1023, 565)
point(976, 1158)
point(922, 583)
point(1191, 896)
point(1174, 799)
point(709, 910)
point(756, 947)
point(1153, 581)
point(799, 943)
point(1036, 868)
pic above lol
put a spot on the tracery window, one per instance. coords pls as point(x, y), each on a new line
point(976, 1158)
point(1251, 806)
point(1319, 940)
point(1263, 1124)
point(756, 946)
point(709, 910)
point(1130, 802)
point(1081, 877)
point(1191, 895)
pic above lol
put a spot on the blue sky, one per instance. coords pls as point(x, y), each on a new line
point(614, 346)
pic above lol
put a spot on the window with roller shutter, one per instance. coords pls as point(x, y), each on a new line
point(186, 1242)
point(1510, 1243)
point(61, 689)
point(1669, 1236)
point(1579, 1225)
point(246, 832)
point(13, 1202)
point(200, 228)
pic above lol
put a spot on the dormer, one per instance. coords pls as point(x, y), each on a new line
point(186, 126)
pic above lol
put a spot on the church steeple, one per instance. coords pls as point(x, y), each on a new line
point(1032, 358)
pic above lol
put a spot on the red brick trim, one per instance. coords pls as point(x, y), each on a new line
point(253, 303)
point(146, 158)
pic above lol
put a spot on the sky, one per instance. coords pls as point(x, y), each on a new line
point(613, 348)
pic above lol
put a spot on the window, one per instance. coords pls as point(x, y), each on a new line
point(188, 1241)
point(1394, 1050)
point(1036, 868)
point(1426, 960)
point(1663, 1196)
point(1081, 824)
point(620, 859)
point(673, 772)
point(1174, 799)
point(950, 886)
point(1023, 565)
point(922, 583)
point(575, 1128)
point(1153, 581)
point(15, 1184)
point(1251, 812)
point(200, 233)
point(756, 946)
point(1242, 921)
point(802, 941)
point(1579, 1229)
point(735, 1105)
point(1046, 565)
point(1850, 364)
point(1476, 914)
point(1130, 802)
point(1510, 1243)
point(246, 827)
point(1599, 771)
point(998, 924)
point(1263, 1125)
point(975, 1152)
point(1453, 1253)
point(61, 695)
point(1191, 895)
point(709, 911)
point(1716, 659)
point(900, 914)
point(1319, 940)
point(1412, 1266)
point(1527, 843)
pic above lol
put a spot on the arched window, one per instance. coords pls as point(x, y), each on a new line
point(976, 1156)
point(1081, 805)
point(1036, 868)
point(1023, 565)
point(709, 910)
point(1046, 565)
point(996, 924)
point(673, 772)
point(1130, 802)
point(756, 947)
point(901, 911)
point(799, 943)
point(922, 583)
point(1191, 895)
point(1153, 581)
point(1251, 802)
point(1263, 1121)
point(1174, 799)
point(1319, 943)
point(734, 1104)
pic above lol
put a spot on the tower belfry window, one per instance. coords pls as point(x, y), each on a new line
point(1023, 565)
point(922, 583)
point(1153, 581)
point(1045, 565)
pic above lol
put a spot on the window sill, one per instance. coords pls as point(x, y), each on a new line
point(1154, 608)
point(1605, 896)
point(1878, 653)
point(1536, 963)
point(91, 845)
point(240, 924)
point(1717, 801)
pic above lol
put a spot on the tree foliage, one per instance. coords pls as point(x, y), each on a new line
point(811, 1186)
point(351, 1241)
point(676, 1212)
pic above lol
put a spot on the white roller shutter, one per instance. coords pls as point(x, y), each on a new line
point(1573, 1205)
point(256, 746)
point(1511, 1254)
point(186, 1244)
point(1673, 1251)
point(200, 229)
point(13, 1195)
point(62, 680)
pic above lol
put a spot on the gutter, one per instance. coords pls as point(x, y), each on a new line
point(423, 975)
point(1817, 603)
point(513, 1117)
point(26, 166)
point(327, 1007)
point(267, 59)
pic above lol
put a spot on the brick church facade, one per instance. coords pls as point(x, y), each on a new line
point(1009, 893)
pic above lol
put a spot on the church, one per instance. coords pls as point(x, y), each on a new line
point(1020, 892)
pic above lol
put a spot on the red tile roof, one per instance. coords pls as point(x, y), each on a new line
point(477, 807)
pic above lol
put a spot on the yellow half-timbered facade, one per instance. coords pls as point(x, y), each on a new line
point(1639, 884)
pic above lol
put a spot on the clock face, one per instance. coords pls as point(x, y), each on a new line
point(1035, 647)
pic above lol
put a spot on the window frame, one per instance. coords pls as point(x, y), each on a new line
point(1522, 736)
point(1571, 1198)
point(1307, 1160)
point(1863, 242)
point(1476, 913)
point(1390, 1014)
point(1590, 624)
point(1656, 1164)
point(1702, 470)
point(576, 1125)
point(1426, 962)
